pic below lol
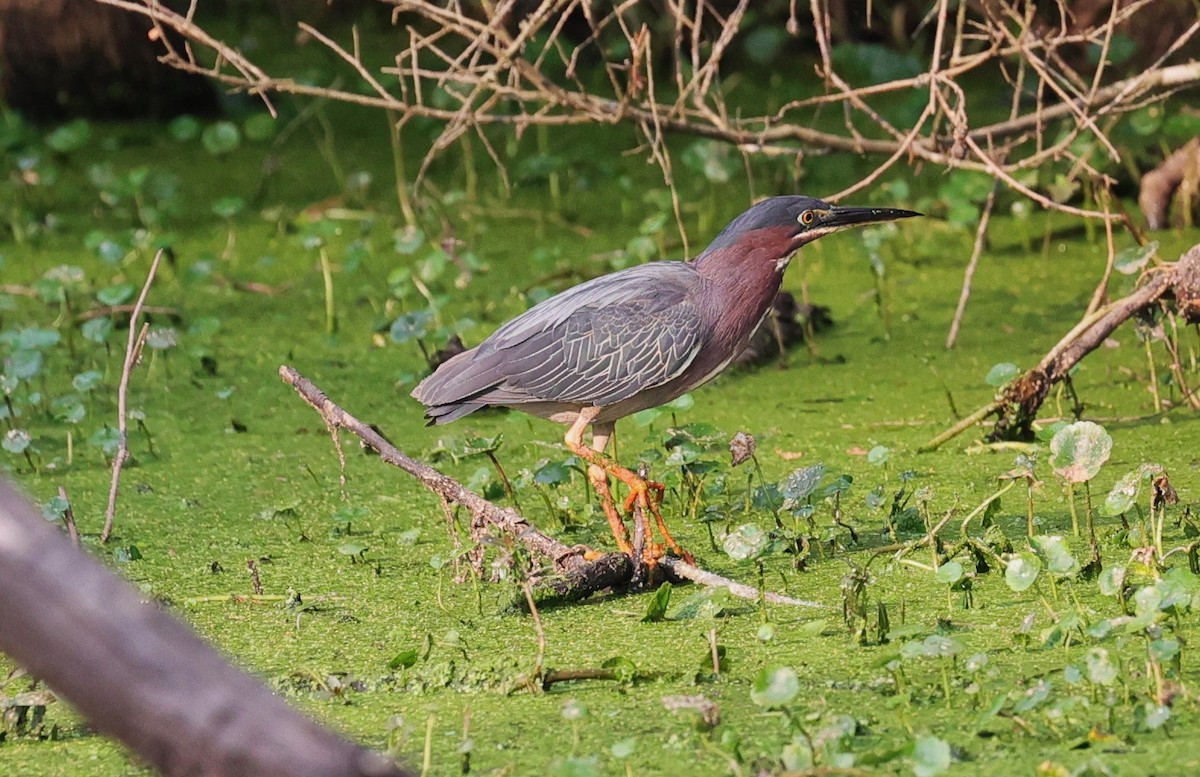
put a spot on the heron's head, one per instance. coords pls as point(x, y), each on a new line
point(780, 225)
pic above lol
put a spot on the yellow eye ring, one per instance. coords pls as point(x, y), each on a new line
point(807, 218)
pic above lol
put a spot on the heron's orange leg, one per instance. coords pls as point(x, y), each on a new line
point(640, 488)
point(599, 480)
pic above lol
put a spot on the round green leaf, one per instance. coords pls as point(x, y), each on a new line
point(1078, 450)
point(221, 138)
point(949, 573)
point(259, 127)
point(1021, 571)
point(930, 756)
point(748, 541)
point(1100, 668)
point(775, 687)
point(1001, 374)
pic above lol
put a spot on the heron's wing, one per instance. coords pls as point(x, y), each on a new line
point(596, 343)
point(609, 346)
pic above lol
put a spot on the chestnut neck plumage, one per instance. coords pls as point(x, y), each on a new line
point(746, 276)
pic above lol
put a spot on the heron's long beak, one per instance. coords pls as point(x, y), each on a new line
point(838, 217)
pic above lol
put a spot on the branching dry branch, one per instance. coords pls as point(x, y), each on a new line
point(574, 576)
point(473, 66)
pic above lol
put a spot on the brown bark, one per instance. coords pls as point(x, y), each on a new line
point(141, 675)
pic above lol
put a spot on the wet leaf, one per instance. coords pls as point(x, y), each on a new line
point(746, 542)
point(1079, 450)
point(1022, 570)
point(1002, 373)
point(930, 756)
point(775, 687)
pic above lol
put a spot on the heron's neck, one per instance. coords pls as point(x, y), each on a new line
point(745, 279)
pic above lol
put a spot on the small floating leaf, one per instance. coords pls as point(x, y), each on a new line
point(775, 687)
point(1001, 374)
point(1022, 571)
point(1078, 450)
point(930, 756)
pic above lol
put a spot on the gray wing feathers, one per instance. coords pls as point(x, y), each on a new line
point(601, 356)
point(595, 344)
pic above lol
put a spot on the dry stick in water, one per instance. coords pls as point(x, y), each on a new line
point(133, 350)
point(575, 576)
point(1018, 403)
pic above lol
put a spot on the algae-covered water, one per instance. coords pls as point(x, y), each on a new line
point(312, 267)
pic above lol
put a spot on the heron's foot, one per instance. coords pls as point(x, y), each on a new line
point(648, 495)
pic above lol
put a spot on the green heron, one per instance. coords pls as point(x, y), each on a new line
point(635, 339)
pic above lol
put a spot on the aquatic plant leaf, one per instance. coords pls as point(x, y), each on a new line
point(1001, 374)
point(656, 610)
point(775, 687)
point(1111, 580)
point(1022, 570)
point(747, 541)
point(1131, 260)
point(801, 484)
point(1079, 450)
point(1123, 495)
point(410, 326)
point(1055, 554)
point(1101, 669)
point(949, 573)
point(930, 756)
point(220, 138)
point(16, 441)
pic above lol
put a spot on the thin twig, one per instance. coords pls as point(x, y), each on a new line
point(969, 274)
point(133, 350)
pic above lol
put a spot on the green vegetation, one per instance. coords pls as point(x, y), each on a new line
point(970, 629)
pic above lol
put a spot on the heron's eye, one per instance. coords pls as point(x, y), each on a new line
point(807, 218)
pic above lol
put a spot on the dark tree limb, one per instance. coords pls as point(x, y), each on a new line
point(1017, 404)
point(574, 576)
point(140, 675)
